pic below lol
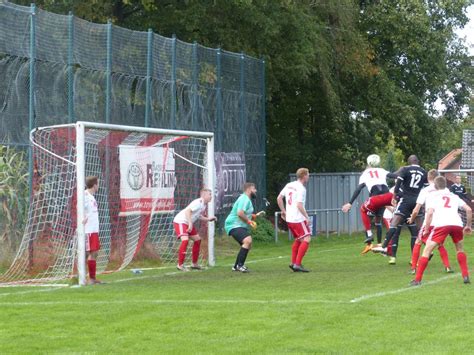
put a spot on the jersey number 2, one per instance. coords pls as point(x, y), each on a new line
point(290, 199)
point(446, 201)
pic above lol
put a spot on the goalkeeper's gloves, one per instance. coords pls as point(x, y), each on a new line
point(252, 224)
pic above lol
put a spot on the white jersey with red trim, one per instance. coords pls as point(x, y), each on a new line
point(197, 208)
point(421, 199)
point(373, 176)
point(445, 205)
point(294, 192)
point(91, 212)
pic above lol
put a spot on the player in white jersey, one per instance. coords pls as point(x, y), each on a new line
point(421, 239)
point(91, 227)
point(442, 213)
point(184, 226)
point(295, 215)
point(375, 180)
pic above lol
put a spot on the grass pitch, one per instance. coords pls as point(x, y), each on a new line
point(348, 303)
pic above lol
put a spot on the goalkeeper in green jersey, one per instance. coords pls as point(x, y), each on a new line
point(238, 222)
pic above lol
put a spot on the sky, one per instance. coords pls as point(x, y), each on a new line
point(468, 31)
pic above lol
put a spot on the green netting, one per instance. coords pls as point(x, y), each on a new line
point(100, 72)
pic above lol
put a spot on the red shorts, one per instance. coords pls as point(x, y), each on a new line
point(439, 234)
point(375, 203)
point(299, 230)
point(92, 242)
point(422, 237)
point(181, 229)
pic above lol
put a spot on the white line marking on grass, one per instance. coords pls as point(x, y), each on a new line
point(170, 301)
point(183, 273)
point(33, 285)
point(30, 291)
point(401, 290)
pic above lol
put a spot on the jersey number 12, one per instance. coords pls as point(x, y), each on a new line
point(415, 181)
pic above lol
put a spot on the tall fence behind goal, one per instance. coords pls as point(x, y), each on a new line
point(145, 176)
point(59, 69)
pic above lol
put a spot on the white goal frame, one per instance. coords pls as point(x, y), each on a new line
point(80, 128)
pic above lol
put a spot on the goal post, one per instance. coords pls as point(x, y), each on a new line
point(146, 176)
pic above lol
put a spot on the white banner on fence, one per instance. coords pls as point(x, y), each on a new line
point(147, 179)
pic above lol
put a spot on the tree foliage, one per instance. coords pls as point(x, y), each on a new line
point(344, 78)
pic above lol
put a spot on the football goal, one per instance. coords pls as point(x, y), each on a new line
point(146, 176)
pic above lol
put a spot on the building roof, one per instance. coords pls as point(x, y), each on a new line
point(450, 159)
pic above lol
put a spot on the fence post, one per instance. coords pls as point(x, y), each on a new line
point(264, 130)
point(243, 120)
point(31, 103)
point(219, 124)
point(70, 68)
point(173, 83)
point(276, 227)
point(149, 71)
point(194, 87)
point(108, 72)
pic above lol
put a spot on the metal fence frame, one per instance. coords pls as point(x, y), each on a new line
point(236, 74)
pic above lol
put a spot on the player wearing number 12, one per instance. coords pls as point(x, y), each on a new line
point(296, 217)
point(411, 180)
point(442, 213)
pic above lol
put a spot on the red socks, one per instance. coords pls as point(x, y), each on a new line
point(294, 250)
point(422, 264)
point(301, 252)
point(365, 219)
point(92, 266)
point(415, 255)
point(462, 260)
point(443, 253)
point(182, 251)
point(196, 249)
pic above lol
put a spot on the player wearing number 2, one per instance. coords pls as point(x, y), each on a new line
point(411, 180)
point(375, 179)
point(442, 213)
point(295, 215)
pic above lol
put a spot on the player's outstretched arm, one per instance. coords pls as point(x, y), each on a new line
point(356, 193)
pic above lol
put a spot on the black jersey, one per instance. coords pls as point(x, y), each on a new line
point(459, 190)
point(411, 180)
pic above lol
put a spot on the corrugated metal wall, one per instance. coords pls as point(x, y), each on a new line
point(329, 191)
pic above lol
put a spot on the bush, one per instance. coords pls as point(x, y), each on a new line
point(14, 200)
point(264, 232)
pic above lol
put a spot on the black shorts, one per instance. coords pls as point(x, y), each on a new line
point(239, 234)
point(405, 206)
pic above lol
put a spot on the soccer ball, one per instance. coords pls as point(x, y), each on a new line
point(373, 160)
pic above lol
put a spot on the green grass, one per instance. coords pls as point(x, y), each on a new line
point(271, 310)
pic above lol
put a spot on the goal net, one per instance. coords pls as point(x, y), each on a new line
point(145, 177)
